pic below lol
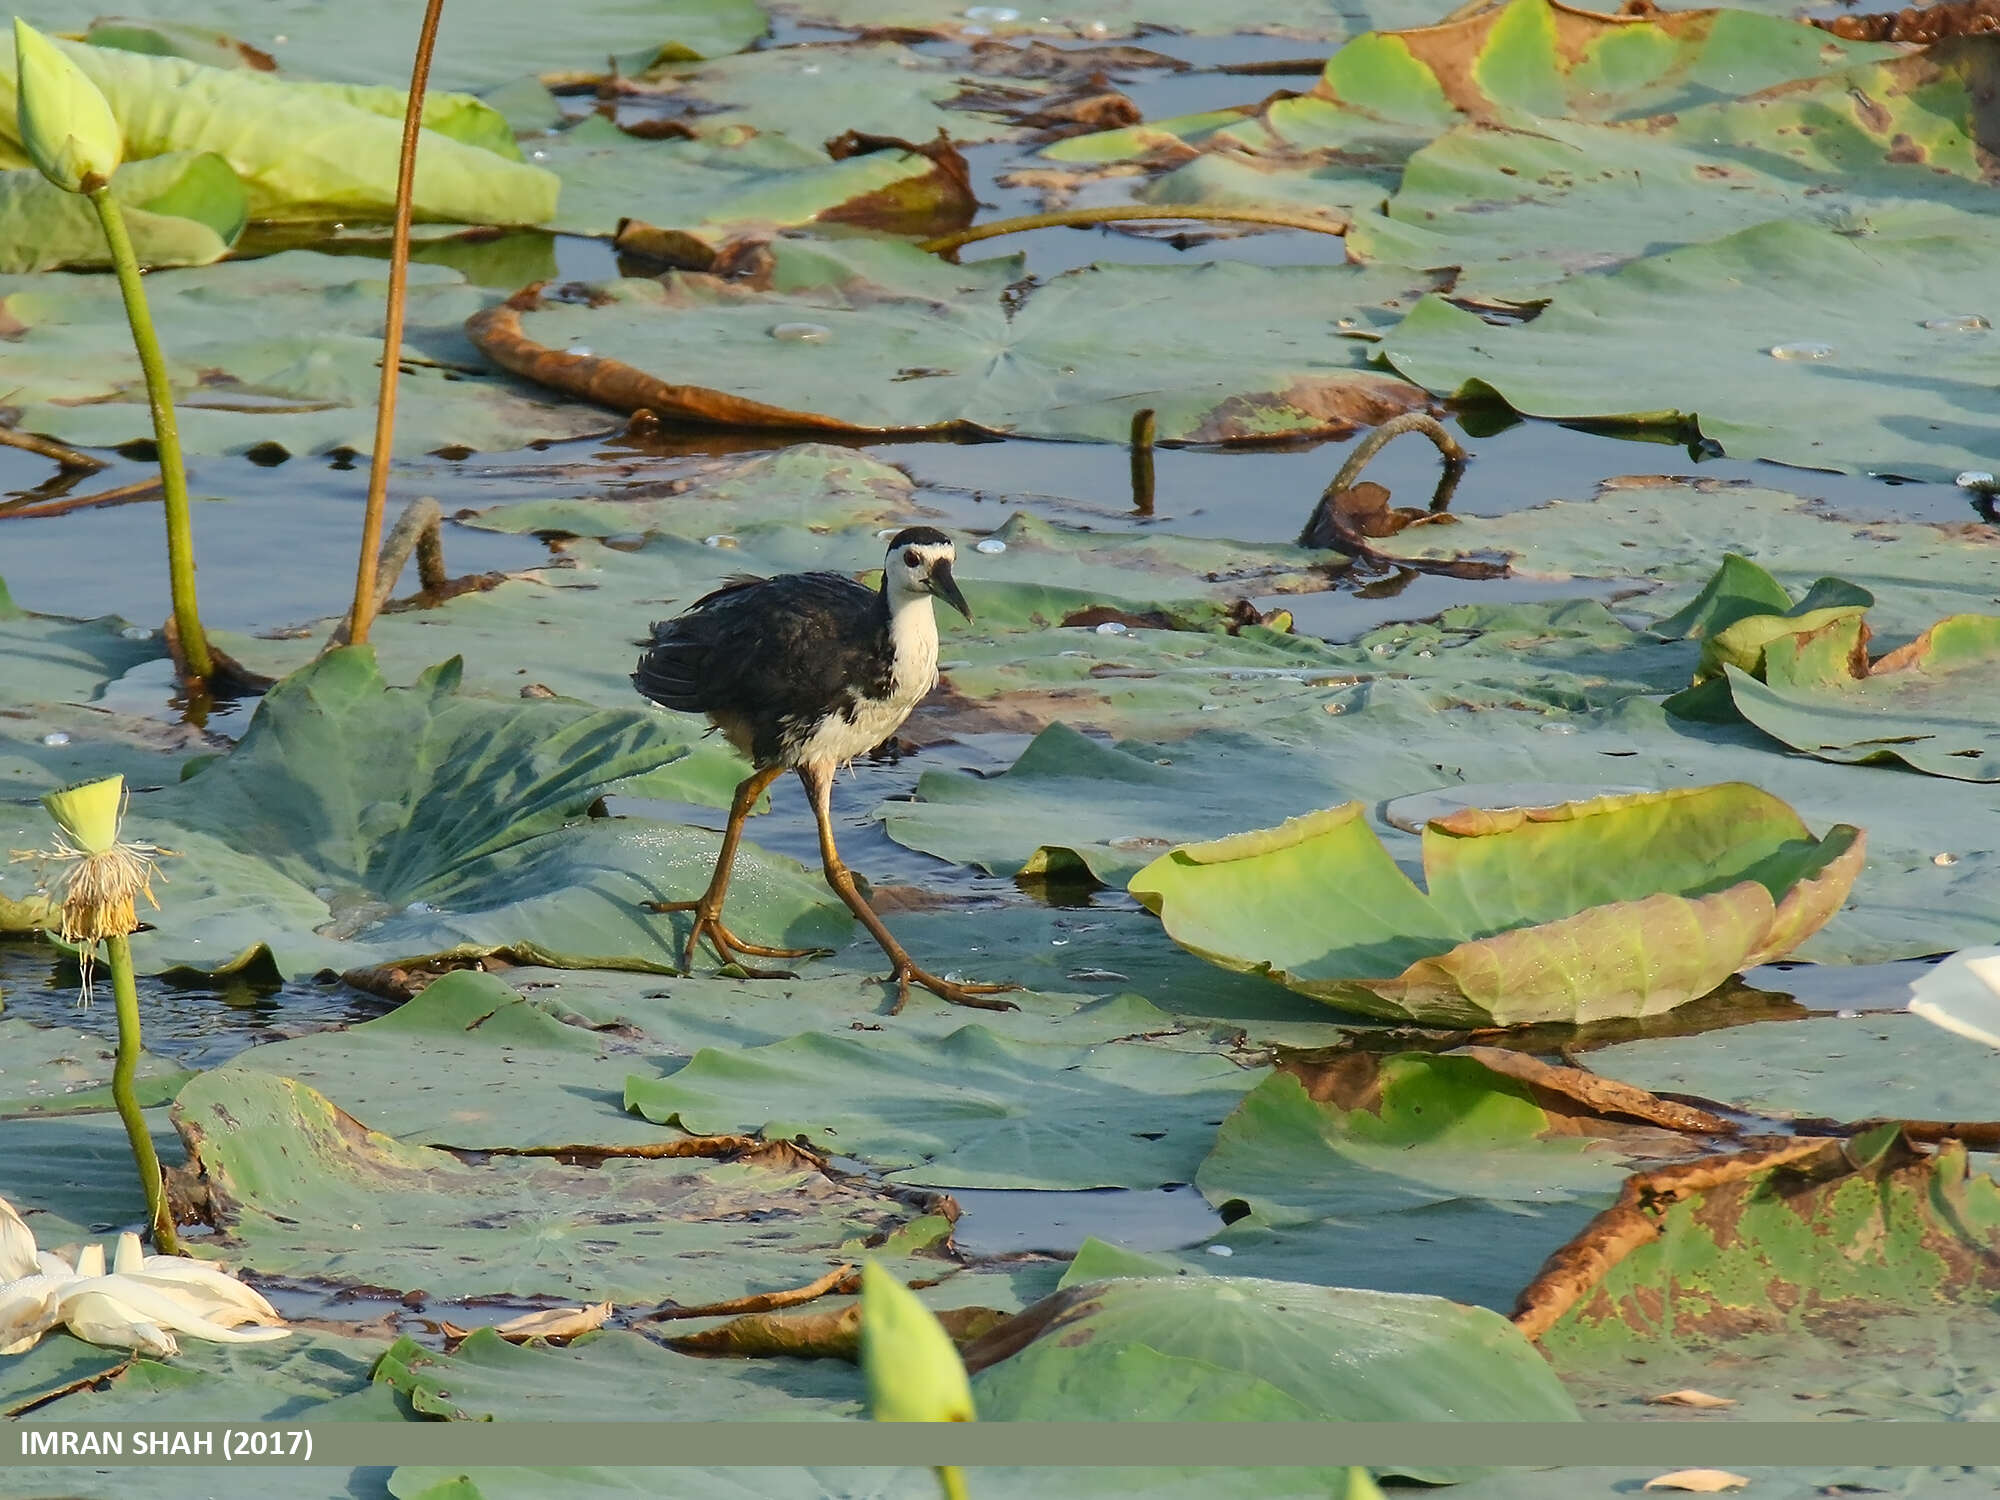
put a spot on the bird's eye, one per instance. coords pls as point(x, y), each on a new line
point(909, 557)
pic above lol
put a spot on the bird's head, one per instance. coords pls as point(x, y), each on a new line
point(918, 563)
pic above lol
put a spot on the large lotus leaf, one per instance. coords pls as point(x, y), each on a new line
point(902, 342)
point(971, 1109)
point(717, 186)
point(1894, 396)
point(1864, 1067)
point(70, 1176)
point(1407, 1132)
point(313, 1376)
point(1524, 206)
point(184, 209)
point(358, 823)
point(52, 1070)
point(287, 351)
point(302, 154)
point(477, 48)
point(613, 1376)
point(1669, 533)
point(1929, 705)
point(294, 1175)
point(743, 1483)
point(947, 18)
point(1621, 906)
point(1245, 1349)
point(1801, 1264)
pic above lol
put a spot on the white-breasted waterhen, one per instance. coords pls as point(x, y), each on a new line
point(804, 672)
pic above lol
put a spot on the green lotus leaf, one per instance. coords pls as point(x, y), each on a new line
point(70, 1175)
point(612, 1376)
point(738, 182)
point(292, 1174)
point(741, 1483)
point(902, 342)
point(286, 350)
point(947, 18)
point(358, 823)
point(1621, 906)
point(1928, 705)
point(1900, 393)
point(184, 209)
point(496, 43)
point(301, 152)
point(1246, 1349)
point(49, 1070)
point(970, 1109)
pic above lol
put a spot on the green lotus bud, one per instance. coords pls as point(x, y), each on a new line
point(66, 125)
point(88, 812)
point(913, 1369)
point(1361, 1485)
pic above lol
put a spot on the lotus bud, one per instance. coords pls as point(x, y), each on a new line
point(1361, 1485)
point(66, 124)
point(17, 1246)
point(913, 1369)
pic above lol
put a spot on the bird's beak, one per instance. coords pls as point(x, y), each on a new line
point(946, 588)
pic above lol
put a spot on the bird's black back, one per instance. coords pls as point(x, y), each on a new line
point(776, 655)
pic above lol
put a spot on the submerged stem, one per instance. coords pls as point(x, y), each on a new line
point(1121, 213)
point(363, 613)
point(118, 958)
point(166, 436)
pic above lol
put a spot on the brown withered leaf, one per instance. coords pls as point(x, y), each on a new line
point(555, 1324)
point(1697, 1400)
point(1699, 1481)
point(821, 1334)
point(1921, 24)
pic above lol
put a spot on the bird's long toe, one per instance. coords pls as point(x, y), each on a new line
point(957, 992)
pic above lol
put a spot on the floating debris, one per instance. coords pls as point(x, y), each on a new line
point(1806, 351)
point(1965, 323)
point(991, 546)
point(801, 333)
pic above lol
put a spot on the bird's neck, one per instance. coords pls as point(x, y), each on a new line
point(913, 637)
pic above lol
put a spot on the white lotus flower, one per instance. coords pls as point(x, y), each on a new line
point(140, 1303)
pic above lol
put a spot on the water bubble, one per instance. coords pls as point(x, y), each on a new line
point(1209, 708)
point(1222, 1250)
point(55, 737)
point(991, 546)
point(1977, 479)
point(1426, 654)
point(1111, 627)
point(539, 155)
point(136, 633)
point(1095, 29)
point(999, 14)
point(1945, 860)
point(1058, 942)
point(1805, 351)
point(1558, 729)
point(720, 539)
point(581, 351)
point(1964, 323)
point(801, 333)
point(1378, 649)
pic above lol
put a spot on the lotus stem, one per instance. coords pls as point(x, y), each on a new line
point(363, 614)
point(951, 1480)
point(118, 958)
point(1143, 428)
point(1122, 213)
point(166, 436)
point(1449, 447)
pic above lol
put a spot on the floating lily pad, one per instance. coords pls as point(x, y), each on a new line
point(301, 152)
point(1616, 907)
point(902, 342)
point(70, 1176)
point(184, 209)
point(613, 1376)
point(313, 1376)
point(372, 42)
point(1882, 395)
point(51, 1070)
point(972, 1109)
point(1243, 1349)
point(285, 351)
point(1927, 705)
point(358, 823)
point(292, 1175)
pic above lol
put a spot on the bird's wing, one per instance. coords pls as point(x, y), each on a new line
point(777, 647)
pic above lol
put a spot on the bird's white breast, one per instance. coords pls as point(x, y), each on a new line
point(913, 645)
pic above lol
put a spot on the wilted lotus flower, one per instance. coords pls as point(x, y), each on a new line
point(67, 127)
point(97, 878)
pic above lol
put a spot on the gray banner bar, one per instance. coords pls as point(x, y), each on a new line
point(1662, 1444)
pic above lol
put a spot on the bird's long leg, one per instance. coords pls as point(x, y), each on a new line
point(818, 781)
point(708, 909)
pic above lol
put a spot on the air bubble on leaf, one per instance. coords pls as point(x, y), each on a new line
point(991, 546)
point(538, 155)
point(1944, 859)
point(999, 14)
point(1426, 654)
point(55, 737)
point(1111, 627)
point(1963, 323)
point(1558, 729)
point(1802, 351)
point(801, 333)
point(1222, 1250)
point(720, 539)
point(1209, 708)
point(1058, 942)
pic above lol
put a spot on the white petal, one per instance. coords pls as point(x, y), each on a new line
point(28, 1308)
point(98, 1318)
point(17, 1245)
point(54, 1265)
point(90, 1260)
point(211, 1278)
point(128, 1256)
point(165, 1307)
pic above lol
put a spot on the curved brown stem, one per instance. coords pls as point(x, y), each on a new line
point(1449, 447)
point(363, 614)
point(1134, 213)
